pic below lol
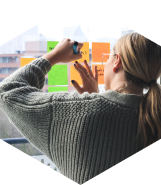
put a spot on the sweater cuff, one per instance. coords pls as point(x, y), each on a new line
point(43, 63)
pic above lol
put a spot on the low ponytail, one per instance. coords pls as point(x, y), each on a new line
point(149, 127)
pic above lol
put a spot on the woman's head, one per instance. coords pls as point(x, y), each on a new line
point(138, 61)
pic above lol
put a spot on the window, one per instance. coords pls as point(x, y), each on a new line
point(13, 59)
point(8, 59)
point(7, 70)
point(46, 81)
point(16, 59)
point(5, 59)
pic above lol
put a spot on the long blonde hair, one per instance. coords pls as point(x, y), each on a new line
point(141, 61)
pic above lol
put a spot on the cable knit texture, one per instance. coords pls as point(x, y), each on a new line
point(83, 134)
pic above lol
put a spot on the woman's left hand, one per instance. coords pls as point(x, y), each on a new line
point(63, 52)
point(90, 82)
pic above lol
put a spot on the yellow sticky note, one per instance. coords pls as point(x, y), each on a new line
point(25, 61)
point(85, 53)
point(74, 75)
point(97, 49)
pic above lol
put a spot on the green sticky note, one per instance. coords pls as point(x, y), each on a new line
point(51, 45)
point(56, 89)
point(58, 75)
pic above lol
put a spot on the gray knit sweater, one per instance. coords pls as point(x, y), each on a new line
point(83, 134)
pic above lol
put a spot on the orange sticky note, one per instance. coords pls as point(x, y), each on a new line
point(74, 75)
point(100, 70)
point(25, 61)
point(97, 49)
point(85, 53)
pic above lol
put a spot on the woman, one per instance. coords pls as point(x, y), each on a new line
point(88, 132)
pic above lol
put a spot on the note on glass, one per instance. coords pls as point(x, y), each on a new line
point(58, 75)
point(97, 49)
point(74, 75)
point(51, 45)
point(25, 61)
point(85, 53)
point(100, 70)
point(56, 89)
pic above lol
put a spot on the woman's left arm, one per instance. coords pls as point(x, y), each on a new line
point(26, 106)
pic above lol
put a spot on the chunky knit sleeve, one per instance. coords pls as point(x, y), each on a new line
point(26, 106)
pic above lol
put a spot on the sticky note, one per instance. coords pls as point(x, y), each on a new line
point(74, 75)
point(58, 75)
point(97, 49)
point(100, 70)
point(25, 61)
point(51, 45)
point(56, 89)
point(85, 53)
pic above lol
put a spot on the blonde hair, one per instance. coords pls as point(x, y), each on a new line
point(141, 61)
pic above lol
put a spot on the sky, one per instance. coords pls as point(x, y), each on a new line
point(83, 14)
